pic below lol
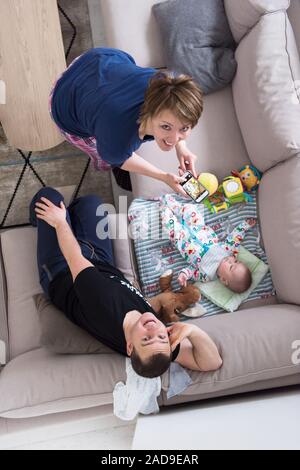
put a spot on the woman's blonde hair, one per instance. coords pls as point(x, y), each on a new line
point(174, 92)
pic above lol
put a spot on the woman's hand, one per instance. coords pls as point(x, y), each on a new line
point(178, 331)
point(50, 213)
point(174, 182)
point(187, 160)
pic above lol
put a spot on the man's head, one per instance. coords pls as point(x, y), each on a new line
point(148, 344)
point(234, 274)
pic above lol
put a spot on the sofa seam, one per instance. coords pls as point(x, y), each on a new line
point(243, 376)
point(266, 13)
point(58, 401)
point(289, 57)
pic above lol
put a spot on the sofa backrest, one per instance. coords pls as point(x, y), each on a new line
point(294, 16)
point(266, 91)
point(242, 19)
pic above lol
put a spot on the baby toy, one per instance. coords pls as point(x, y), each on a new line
point(229, 192)
point(234, 189)
point(249, 176)
point(209, 181)
point(169, 304)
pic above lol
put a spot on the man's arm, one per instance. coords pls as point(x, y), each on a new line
point(71, 249)
point(56, 217)
point(197, 349)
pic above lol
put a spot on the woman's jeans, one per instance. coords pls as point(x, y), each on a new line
point(82, 218)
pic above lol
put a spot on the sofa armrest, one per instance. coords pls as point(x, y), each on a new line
point(3, 314)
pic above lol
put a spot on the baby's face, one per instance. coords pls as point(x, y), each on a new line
point(230, 269)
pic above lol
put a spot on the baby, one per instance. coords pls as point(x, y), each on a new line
point(208, 258)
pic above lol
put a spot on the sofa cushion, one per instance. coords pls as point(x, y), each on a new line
point(251, 342)
point(140, 23)
point(242, 19)
point(256, 346)
point(60, 335)
point(199, 43)
point(19, 256)
point(279, 209)
point(266, 91)
point(40, 382)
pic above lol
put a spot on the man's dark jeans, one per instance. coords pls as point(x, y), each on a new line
point(82, 218)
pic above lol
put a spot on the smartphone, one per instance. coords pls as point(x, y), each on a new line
point(193, 188)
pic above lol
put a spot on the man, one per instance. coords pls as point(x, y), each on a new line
point(77, 273)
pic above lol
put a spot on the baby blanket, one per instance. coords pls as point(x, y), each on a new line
point(155, 253)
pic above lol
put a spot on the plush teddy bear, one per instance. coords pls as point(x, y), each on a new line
point(169, 304)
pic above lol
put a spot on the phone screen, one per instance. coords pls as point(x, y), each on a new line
point(194, 188)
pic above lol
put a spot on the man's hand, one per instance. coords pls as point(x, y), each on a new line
point(186, 159)
point(50, 213)
point(182, 279)
point(174, 182)
point(178, 331)
point(251, 222)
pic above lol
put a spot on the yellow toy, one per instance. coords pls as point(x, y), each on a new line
point(232, 186)
point(234, 191)
point(209, 181)
point(250, 177)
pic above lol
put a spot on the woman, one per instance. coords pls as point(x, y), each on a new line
point(108, 107)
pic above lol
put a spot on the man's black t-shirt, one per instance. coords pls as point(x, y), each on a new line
point(98, 301)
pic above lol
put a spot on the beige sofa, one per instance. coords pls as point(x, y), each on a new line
point(256, 119)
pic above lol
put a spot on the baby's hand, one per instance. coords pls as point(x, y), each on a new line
point(182, 279)
point(251, 222)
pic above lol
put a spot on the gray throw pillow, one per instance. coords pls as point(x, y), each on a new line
point(197, 41)
point(60, 335)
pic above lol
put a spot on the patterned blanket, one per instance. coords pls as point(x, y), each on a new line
point(155, 254)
